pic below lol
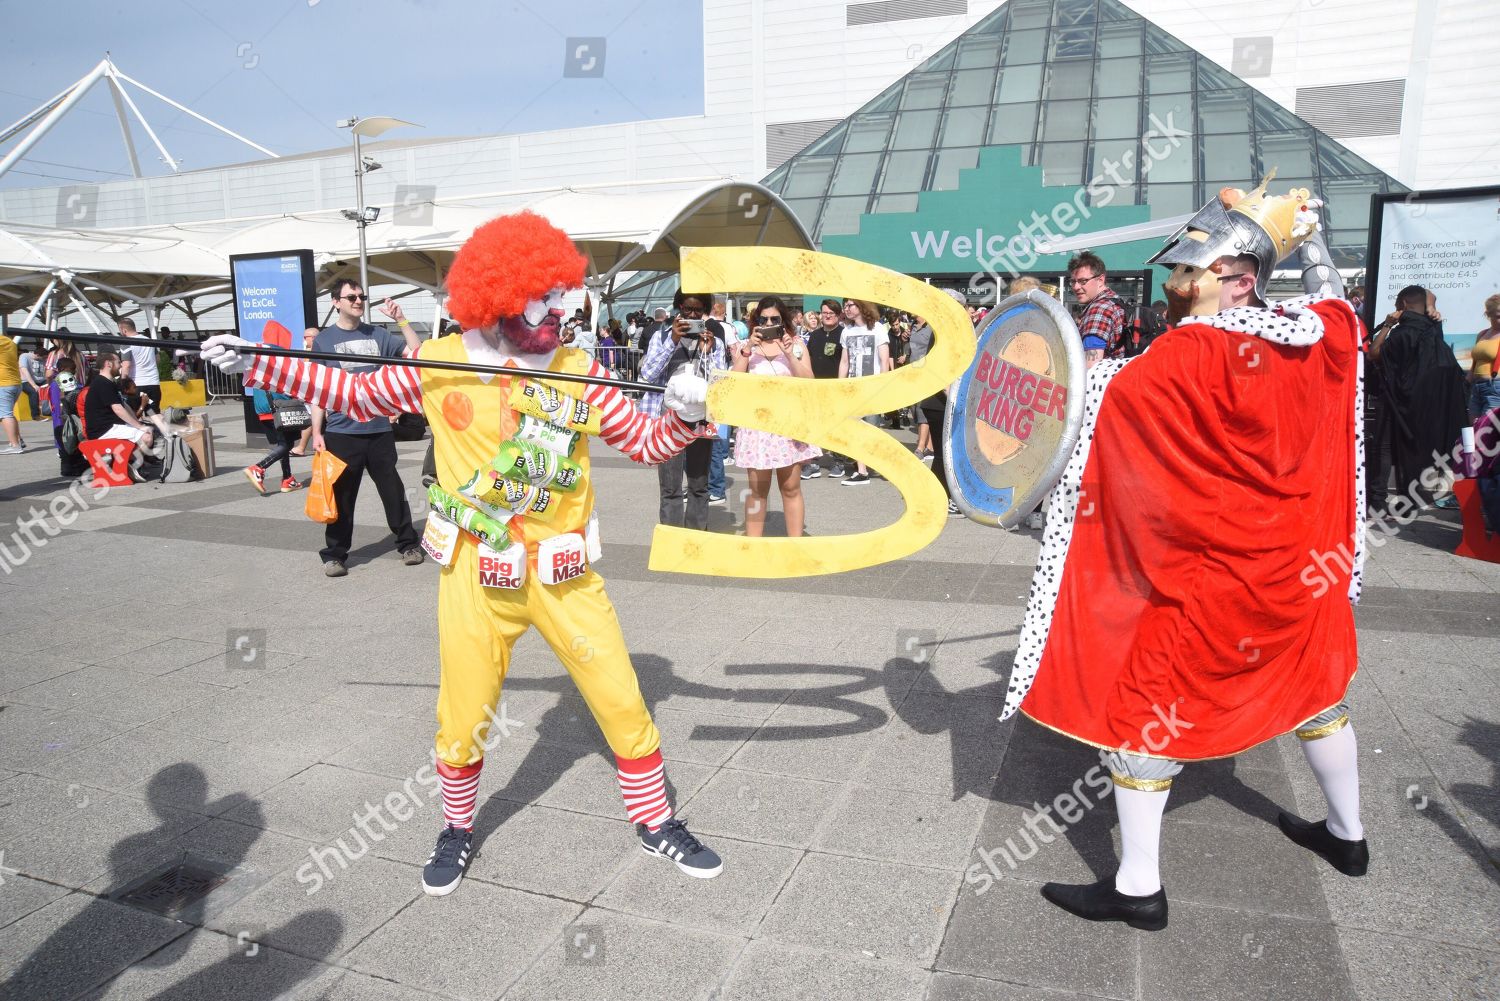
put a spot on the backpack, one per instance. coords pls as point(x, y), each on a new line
point(71, 432)
point(179, 465)
point(1149, 327)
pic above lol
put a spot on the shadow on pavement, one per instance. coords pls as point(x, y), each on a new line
point(969, 745)
point(551, 756)
point(1436, 529)
point(57, 960)
point(1482, 800)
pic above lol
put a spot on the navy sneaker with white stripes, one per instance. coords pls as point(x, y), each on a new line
point(673, 841)
point(446, 865)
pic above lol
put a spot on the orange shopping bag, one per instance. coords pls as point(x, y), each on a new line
point(327, 468)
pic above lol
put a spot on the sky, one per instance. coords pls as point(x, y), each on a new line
point(283, 72)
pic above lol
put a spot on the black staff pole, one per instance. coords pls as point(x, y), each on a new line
point(275, 352)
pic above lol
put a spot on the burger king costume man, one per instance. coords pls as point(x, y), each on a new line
point(513, 523)
point(1203, 549)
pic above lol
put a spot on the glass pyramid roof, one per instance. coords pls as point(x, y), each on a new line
point(1079, 86)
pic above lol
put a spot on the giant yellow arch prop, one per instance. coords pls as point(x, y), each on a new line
point(825, 413)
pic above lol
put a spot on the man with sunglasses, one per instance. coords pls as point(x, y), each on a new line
point(1103, 322)
point(363, 446)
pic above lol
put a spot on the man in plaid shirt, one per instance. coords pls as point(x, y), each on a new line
point(1103, 322)
point(662, 346)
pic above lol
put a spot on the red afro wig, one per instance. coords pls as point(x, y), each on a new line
point(508, 262)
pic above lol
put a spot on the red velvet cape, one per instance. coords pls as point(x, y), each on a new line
point(1207, 577)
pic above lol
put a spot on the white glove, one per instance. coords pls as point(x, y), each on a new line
point(222, 350)
point(685, 395)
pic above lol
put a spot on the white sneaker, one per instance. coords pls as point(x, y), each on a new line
point(13, 449)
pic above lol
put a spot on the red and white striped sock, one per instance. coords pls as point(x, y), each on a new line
point(643, 783)
point(460, 789)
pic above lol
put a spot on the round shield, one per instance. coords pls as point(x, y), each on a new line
point(1013, 417)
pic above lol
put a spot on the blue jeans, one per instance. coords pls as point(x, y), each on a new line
point(8, 397)
point(1484, 396)
point(716, 462)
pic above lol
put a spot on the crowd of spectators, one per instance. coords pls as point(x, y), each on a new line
point(1417, 396)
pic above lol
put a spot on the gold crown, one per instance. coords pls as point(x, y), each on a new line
point(1287, 219)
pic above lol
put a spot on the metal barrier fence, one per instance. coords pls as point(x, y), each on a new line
point(623, 362)
point(219, 385)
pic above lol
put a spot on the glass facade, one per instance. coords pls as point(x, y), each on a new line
point(1092, 93)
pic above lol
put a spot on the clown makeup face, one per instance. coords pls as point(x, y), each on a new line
point(1191, 291)
point(536, 330)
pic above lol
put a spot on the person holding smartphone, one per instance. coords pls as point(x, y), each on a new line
point(686, 342)
point(773, 349)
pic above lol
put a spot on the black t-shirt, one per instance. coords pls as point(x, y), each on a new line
point(825, 349)
point(896, 345)
point(98, 412)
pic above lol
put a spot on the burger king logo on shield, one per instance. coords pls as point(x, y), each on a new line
point(1014, 390)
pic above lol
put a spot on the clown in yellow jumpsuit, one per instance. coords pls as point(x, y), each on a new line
point(537, 572)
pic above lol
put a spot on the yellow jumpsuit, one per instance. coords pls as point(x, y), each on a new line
point(478, 626)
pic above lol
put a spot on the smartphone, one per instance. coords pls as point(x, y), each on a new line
point(770, 333)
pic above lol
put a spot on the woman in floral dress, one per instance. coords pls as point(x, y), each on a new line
point(773, 348)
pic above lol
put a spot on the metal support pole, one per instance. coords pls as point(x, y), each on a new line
point(437, 300)
point(359, 207)
point(60, 109)
point(41, 300)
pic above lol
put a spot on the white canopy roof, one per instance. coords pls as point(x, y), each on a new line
point(636, 228)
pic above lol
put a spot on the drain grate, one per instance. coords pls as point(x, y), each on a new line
point(172, 888)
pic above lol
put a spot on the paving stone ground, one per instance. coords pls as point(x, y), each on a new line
point(180, 681)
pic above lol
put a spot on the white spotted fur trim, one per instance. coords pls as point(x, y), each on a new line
point(1062, 511)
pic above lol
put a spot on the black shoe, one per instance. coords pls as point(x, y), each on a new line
point(673, 841)
point(953, 511)
point(413, 557)
point(856, 479)
point(1102, 902)
point(335, 568)
point(446, 865)
point(1352, 858)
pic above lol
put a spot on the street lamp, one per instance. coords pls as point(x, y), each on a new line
point(363, 216)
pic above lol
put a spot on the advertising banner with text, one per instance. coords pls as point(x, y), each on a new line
point(1446, 241)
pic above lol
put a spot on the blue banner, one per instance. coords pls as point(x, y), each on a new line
point(272, 297)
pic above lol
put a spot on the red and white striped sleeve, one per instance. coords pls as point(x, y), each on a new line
point(385, 392)
point(647, 440)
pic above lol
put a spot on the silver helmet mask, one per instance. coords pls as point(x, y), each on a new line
point(1225, 234)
